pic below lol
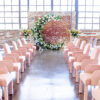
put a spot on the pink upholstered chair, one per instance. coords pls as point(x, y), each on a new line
point(69, 44)
point(20, 59)
point(6, 80)
point(22, 50)
point(83, 61)
point(22, 54)
point(89, 61)
point(75, 47)
point(13, 66)
point(82, 45)
point(26, 50)
point(78, 55)
point(96, 92)
point(90, 77)
point(29, 45)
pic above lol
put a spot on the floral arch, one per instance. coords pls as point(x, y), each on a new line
point(50, 32)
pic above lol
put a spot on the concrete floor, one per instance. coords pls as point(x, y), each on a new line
point(48, 78)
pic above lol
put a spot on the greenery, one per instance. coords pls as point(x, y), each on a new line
point(26, 32)
point(74, 32)
point(37, 35)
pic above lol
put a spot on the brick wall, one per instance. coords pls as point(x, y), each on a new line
point(32, 17)
point(8, 36)
point(59, 30)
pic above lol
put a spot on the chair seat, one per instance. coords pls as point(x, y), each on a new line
point(70, 53)
point(66, 49)
point(5, 79)
point(71, 59)
point(96, 94)
point(31, 50)
point(28, 53)
point(77, 64)
point(22, 57)
point(13, 74)
point(17, 64)
point(86, 78)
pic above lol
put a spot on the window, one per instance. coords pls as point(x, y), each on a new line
point(14, 14)
point(90, 12)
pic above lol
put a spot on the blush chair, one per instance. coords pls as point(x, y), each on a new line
point(29, 45)
point(89, 65)
point(90, 77)
point(22, 54)
point(78, 57)
point(80, 65)
point(13, 67)
point(75, 47)
point(96, 92)
point(26, 50)
point(6, 80)
point(83, 43)
point(20, 59)
point(21, 50)
point(69, 45)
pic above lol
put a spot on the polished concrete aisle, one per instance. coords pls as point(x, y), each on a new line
point(48, 78)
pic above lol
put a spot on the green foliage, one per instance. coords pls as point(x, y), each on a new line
point(74, 32)
point(25, 32)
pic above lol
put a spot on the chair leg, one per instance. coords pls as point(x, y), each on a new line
point(77, 76)
point(22, 65)
point(5, 93)
point(34, 51)
point(74, 72)
point(85, 92)
point(80, 86)
point(65, 59)
point(93, 98)
point(11, 88)
point(18, 75)
point(70, 67)
point(29, 59)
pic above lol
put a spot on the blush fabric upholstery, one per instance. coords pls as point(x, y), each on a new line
point(29, 45)
point(91, 74)
point(75, 52)
point(71, 48)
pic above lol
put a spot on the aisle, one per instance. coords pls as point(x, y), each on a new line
point(47, 79)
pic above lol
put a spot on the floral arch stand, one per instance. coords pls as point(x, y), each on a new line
point(50, 32)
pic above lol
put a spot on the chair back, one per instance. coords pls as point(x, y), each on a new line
point(3, 69)
point(95, 54)
point(82, 46)
point(4, 66)
point(24, 41)
point(1, 57)
point(14, 45)
point(77, 43)
point(87, 49)
point(75, 40)
point(7, 48)
point(19, 43)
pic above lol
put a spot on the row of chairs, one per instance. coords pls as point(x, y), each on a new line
point(83, 65)
point(13, 64)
